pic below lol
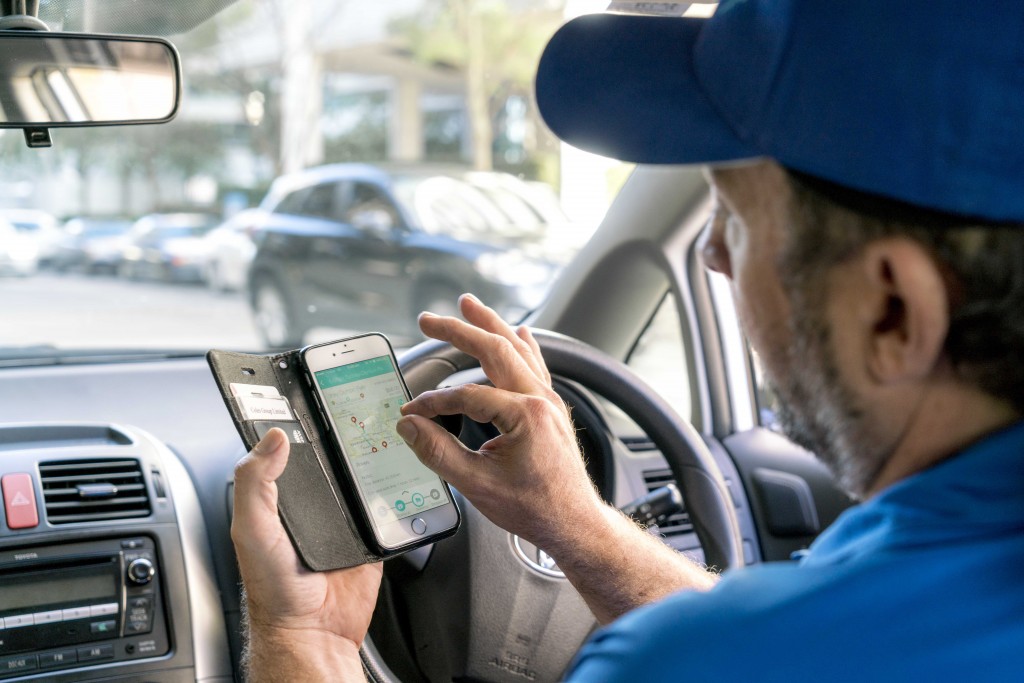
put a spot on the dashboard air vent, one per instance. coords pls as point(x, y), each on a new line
point(676, 524)
point(93, 490)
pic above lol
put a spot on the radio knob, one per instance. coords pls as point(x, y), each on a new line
point(141, 571)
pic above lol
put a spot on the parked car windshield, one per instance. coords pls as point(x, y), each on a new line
point(95, 228)
point(187, 231)
point(454, 207)
point(423, 179)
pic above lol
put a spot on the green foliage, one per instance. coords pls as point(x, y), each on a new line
point(516, 34)
point(497, 46)
point(209, 34)
point(365, 139)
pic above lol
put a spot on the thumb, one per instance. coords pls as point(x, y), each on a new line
point(256, 473)
point(268, 458)
point(436, 448)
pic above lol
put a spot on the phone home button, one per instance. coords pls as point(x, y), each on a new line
point(419, 527)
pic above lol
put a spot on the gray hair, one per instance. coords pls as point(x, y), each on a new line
point(982, 263)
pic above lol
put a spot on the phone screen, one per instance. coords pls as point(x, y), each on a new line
point(364, 400)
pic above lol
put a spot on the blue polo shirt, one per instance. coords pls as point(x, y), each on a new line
point(923, 582)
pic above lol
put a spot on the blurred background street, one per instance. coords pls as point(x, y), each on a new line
point(107, 311)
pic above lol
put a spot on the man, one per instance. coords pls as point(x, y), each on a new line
point(867, 163)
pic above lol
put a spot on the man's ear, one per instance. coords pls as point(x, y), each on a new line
point(909, 309)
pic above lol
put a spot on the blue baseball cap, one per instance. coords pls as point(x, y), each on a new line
point(921, 101)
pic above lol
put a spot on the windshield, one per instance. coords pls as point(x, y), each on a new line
point(407, 155)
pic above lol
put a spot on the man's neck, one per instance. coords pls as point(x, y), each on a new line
point(951, 418)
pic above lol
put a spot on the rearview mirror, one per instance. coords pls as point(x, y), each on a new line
point(54, 80)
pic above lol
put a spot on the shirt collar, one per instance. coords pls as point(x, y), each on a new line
point(976, 492)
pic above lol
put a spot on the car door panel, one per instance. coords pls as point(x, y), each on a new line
point(792, 494)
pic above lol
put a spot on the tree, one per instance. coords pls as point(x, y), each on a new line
point(495, 44)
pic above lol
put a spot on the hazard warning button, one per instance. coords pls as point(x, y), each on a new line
point(19, 501)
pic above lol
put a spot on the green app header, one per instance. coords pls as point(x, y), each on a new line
point(354, 372)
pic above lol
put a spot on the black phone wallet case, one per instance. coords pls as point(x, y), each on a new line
point(317, 505)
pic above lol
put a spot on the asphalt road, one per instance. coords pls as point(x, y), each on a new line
point(83, 312)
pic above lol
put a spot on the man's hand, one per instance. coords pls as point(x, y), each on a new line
point(531, 479)
point(534, 468)
point(303, 625)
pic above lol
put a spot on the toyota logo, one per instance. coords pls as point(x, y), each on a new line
point(535, 558)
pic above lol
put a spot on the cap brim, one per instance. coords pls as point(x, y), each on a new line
point(624, 86)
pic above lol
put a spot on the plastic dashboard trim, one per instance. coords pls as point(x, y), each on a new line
point(210, 655)
point(209, 632)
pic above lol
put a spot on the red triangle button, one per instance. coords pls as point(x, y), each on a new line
point(19, 501)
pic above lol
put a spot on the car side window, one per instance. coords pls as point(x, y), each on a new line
point(319, 203)
point(292, 202)
point(369, 203)
point(767, 401)
point(659, 357)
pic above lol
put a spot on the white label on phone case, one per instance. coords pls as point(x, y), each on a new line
point(260, 408)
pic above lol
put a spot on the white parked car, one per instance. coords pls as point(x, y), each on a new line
point(230, 249)
point(19, 254)
point(40, 227)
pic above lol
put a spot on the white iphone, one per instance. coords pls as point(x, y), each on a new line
point(360, 392)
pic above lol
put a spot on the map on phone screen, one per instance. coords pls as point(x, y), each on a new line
point(364, 400)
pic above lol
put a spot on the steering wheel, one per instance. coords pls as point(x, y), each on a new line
point(478, 610)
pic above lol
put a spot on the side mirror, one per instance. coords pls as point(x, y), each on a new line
point(59, 80)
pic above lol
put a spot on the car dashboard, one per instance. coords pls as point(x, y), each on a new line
point(107, 548)
point(128, 570)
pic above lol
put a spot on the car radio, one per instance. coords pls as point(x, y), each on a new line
point(80, 604)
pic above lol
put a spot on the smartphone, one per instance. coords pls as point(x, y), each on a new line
point(360, 393)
